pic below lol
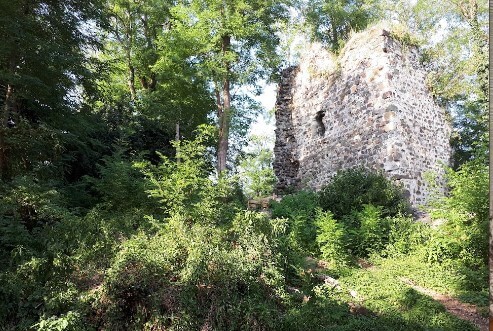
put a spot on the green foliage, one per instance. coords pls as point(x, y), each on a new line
point(350, 189)
point(256, 172)
point(120, 185)
point(372, 235)
point(29, 203)
point(332, 21)
point(65, 322)
point(470, 140)
point(233, 44)
point(195, 275)
point(300, 210)
point(406, 236)
point(392, 305)
point(470, 285)
point(202, 266)
point(42, 53)
point(184, 187)
point(331, 238)
point(464, 234)
point(365, 234)
point(202, 25)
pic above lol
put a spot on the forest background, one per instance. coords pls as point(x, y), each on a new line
point(124, 174)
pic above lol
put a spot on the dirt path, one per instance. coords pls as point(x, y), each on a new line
point(462, 310)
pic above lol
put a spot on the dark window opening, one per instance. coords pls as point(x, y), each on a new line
point(320, 124)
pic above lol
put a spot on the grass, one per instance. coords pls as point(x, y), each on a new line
point(447, 279)
point(382, 301)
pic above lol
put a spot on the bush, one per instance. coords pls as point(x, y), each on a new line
point(373, 233)
point(184, 187)
point(120, 184)
point(203, 265)
point(299, 209)
point(331, 238)
point(138, 281)
point(466, 214)
point(406, 235)
point(361, 233)
point(350, 189)
point(195, 277)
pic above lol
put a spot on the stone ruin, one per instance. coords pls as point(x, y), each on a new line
point(370, 107)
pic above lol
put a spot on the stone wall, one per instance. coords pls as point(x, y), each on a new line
point(369, 107)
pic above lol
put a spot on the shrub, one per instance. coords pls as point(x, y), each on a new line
point(363, 232)
point(139, 283)
point(300, 203)
point(299, 209)
point(120, 184)
point(204, 266)
point(350, 189)
point(331, 238)
point(406, 235)
point(184, 187)
point(373, 232)
point(465, 209)
point(195, 276)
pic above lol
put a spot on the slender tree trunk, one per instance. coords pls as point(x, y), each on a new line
point(224, 112)
point(131, 69)
point(224, 123)
point(335, 39)
point(4, 117)
point(3, 131)
point(131, 79)
point(153, 82)
point(8, 105)
point(177, 134)
point(177, 139)
point(150, 35)
point(480, 53)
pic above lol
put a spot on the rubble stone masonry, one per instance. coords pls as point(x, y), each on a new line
point(368, 107)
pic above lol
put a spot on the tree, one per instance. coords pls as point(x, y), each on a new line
point(42, 62)
point(472, 124)
point(256, 170)
point(148, 86)
point(457, 59)
point(235, 44)
point(134, 30)
point(331, 21)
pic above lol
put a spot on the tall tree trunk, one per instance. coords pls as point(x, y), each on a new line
point(131, 80)
point(335, 39)
point(224, 112)
point(153, 82)
point(3, 131)
point(4, 123)
point(481, 56)
point(131, 68)
point(177, 132)
point(150, 35)
point(177, 139)
point(8, 105)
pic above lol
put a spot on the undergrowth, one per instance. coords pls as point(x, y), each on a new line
point(183, 254)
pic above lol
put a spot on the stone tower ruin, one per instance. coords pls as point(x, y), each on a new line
point(369, 107)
